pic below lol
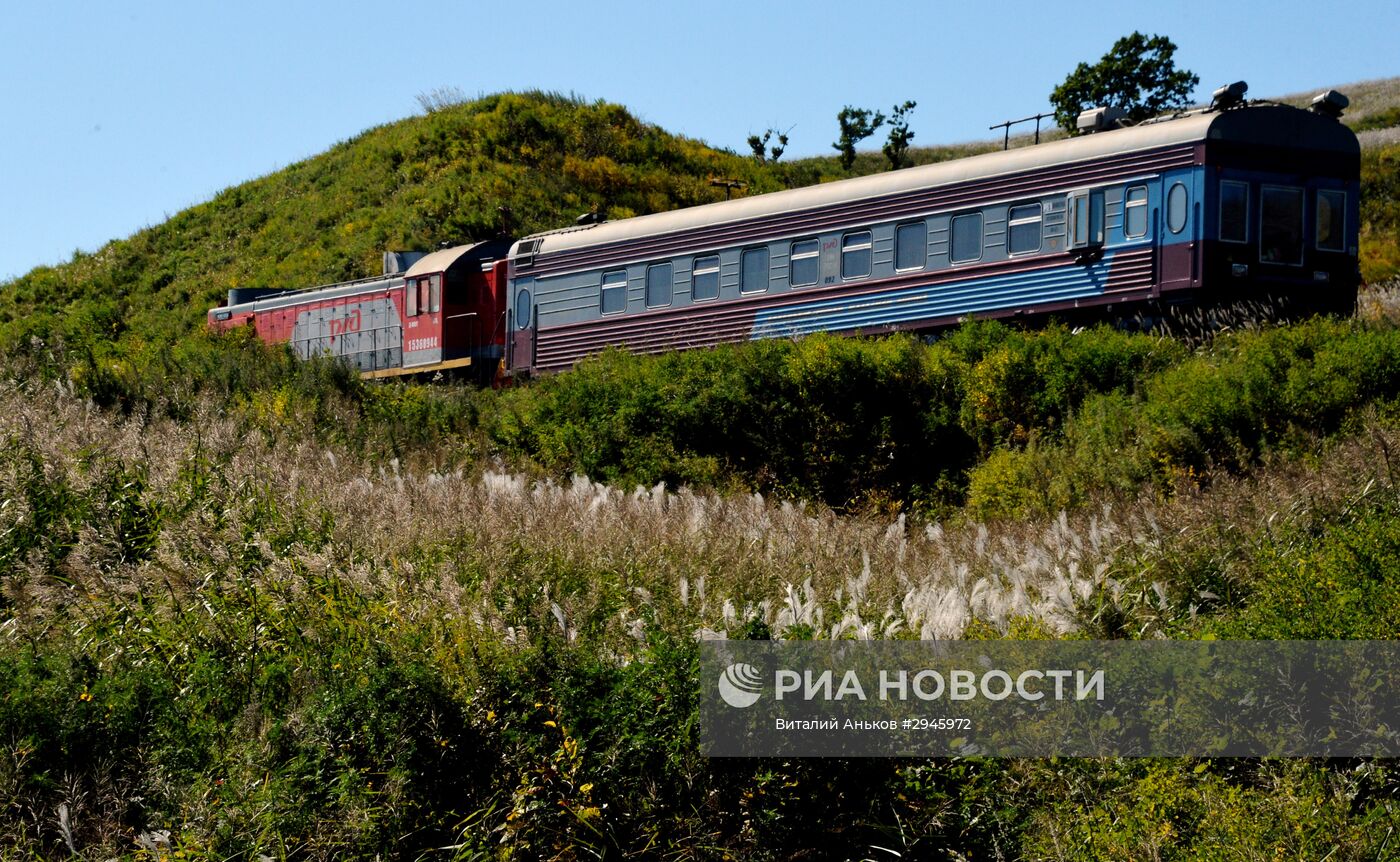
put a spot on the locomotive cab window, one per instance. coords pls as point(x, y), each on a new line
point(1135, 213)
point(613, 293)
point(435, 293)
point(659, 285)
point(1281, 225)
point(1331, 220)
point(1234, 211)
point(522, 309)
point(410, 298)
point(855, 255)
point(1176, 208)
point(1023, 229)
point(911, 246)
point(704, 278)
point(804, 262)
point(967, 238)
point(753, 277)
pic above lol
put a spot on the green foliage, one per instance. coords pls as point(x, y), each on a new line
point(850, 422)
point(762, 152)
point(1379, 120)
point(856, 124)
point(1137, 74)
point(1380, 214)
point(1220, 410)
point(1339, 582)
point(897, 145)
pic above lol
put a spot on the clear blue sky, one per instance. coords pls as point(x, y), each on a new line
point(121, 114)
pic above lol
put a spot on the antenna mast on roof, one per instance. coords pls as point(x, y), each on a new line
point(1006, 140)
point(728, 185)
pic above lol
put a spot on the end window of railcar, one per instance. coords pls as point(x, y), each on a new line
point(1331, 220)
point(911, 246)
point(612, 296)
point(1176, 208)
point(967, 238)
point(1135, 212)
point(753, 277)
point(1234, 211)
point(855, 254)
point(704, 277)
point(523, 309)
point(1023, 229)
point(410, 298)
point(659, 285)
point(1281, 225)
point(435, 293)
point(804, 263)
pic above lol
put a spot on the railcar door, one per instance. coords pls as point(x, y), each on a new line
point(1178, 230)
point(522, 318)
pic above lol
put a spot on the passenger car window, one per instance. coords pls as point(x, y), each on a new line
point(1176, 208)
point(753, 277)
point(1331, 220)
point(1281, 225)
point(803, 263)
point(967, 238)
point(613, 294)
point(1234, 211)
point(704, 277)
point(1135, 212)
point(1023, 229)
point(855, 254)
point(911, 246)
point(659, 286)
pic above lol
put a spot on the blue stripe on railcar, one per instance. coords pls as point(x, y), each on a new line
point(940, 300)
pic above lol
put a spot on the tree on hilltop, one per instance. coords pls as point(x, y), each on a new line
point(897, 146)
point(857, 124)
point(1138, 75)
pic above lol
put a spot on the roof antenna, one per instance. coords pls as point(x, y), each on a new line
point(1006, 139)
point(728, 185)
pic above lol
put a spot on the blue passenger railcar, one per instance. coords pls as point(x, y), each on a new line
point(1236, 201)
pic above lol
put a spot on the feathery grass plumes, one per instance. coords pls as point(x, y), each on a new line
point(224, 639)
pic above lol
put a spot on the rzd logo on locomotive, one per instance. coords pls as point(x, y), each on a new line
point(348, 323)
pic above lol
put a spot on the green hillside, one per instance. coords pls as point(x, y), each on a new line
point(257, 608)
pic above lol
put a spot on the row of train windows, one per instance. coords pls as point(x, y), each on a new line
point(1281, 220)
point(804, 259)
point(1281, 239)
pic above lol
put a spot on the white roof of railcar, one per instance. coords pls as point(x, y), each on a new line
point(1148, 136)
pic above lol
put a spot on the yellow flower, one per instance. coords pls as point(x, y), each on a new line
point(85, 697)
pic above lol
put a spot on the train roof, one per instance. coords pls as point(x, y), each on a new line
point(444, 259)
point(1262, 124)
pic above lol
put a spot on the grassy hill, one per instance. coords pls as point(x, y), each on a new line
point(252, 607)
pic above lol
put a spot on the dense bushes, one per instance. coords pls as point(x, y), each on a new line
point(1380, 214)
point(1221, 409)
point(845, 421)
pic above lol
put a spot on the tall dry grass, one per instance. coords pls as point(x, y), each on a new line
point(495, 548)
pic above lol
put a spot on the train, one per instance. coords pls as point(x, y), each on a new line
point(1236, 201)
